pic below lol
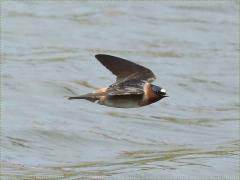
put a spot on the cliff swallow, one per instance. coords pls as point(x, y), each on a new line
point(132, 87)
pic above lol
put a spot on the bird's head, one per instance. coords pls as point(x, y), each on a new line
point(159, 91)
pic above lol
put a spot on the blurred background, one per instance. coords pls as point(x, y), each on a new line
point(48, 53)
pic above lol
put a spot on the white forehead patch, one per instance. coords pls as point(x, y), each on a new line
point(163, 90)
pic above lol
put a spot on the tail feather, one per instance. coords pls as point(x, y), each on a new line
point(76, 97)
point(89, 97)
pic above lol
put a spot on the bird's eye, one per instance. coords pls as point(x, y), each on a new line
point(156, 89)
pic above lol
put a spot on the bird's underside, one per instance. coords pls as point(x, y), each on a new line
point(115, 95)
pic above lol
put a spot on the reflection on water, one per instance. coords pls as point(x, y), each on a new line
point(48, 54)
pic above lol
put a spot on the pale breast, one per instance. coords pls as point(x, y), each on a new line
point(127, 101)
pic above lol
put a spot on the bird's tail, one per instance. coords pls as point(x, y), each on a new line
point(89, 97)
point(76, 97)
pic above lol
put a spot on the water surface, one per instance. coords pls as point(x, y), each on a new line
point(48, 53)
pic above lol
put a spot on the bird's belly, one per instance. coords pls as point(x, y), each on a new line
point(120, 102)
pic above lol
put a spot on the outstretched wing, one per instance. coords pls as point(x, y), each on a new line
point(125, 69)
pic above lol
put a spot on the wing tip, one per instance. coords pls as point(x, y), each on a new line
point(105, 57)
point(98, 56)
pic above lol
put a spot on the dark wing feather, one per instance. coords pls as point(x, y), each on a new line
point(123, 68)
point(125, 90)
point(126, 87)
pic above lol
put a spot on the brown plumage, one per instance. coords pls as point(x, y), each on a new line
point(132, 87)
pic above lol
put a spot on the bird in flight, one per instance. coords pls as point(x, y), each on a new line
point(132, 87)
